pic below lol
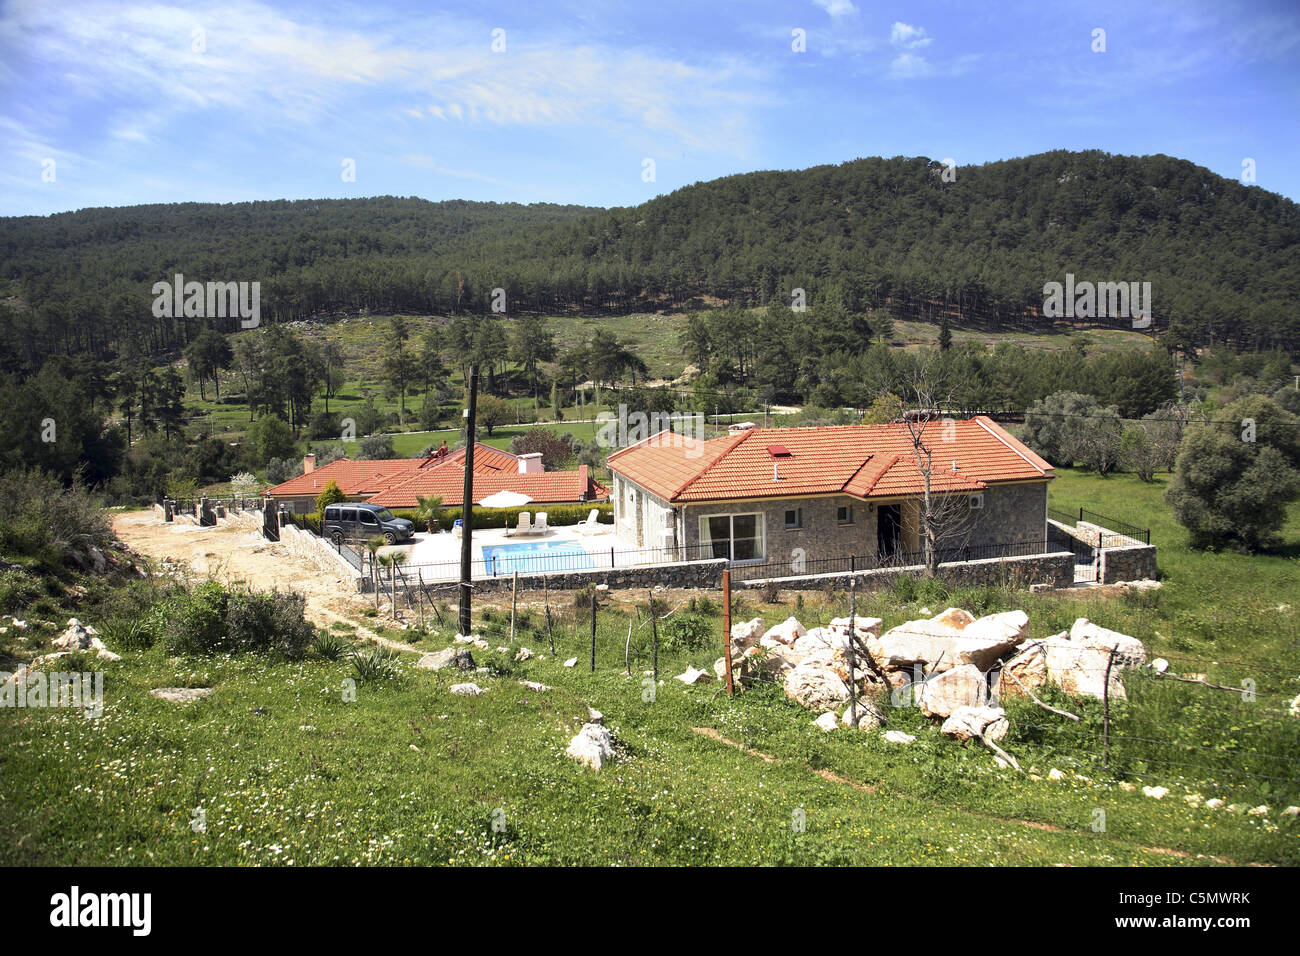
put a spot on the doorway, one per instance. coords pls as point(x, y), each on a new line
point(889, 526)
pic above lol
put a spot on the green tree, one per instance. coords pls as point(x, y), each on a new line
point(1235, 475)
point(331, 494)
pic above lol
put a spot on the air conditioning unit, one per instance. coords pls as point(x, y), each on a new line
point(976, 502)
point(667, 539)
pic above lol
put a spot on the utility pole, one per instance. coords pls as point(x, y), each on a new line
point(467, 504)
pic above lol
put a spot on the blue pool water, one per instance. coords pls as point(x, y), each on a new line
point(536, 557)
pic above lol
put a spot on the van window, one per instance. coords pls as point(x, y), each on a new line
point(368, 517)
point(348, 514)
point(332, 513)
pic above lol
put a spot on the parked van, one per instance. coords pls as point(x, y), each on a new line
point(357, 522)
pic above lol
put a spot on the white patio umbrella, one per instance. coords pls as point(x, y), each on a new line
point(505, 499)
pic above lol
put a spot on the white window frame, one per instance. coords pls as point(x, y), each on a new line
point(760, 521)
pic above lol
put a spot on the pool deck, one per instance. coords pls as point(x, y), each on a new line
point(439, 553)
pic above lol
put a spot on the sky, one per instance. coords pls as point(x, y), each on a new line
point(610, 104)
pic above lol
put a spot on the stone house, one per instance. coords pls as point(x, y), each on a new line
point(831, 492)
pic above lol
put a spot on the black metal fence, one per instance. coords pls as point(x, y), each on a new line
point(748, 571)
point(1114, 524)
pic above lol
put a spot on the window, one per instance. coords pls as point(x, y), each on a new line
point(368, 517)
point(735, 537)
point(347, 514)
point(844, 514)
point(793, 518)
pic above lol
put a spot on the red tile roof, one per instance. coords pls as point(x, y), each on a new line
point(359, 478)
point(865, 461)
point(544, 487)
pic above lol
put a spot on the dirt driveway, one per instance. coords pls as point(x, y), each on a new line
point(233, 552)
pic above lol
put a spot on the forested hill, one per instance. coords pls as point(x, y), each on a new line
point(1223, 259)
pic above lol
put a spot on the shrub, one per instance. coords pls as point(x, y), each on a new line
point(331, 495)
point(270, 623)
point(197, 622)
point(17, 590)
point(375, 665)
point(129, 633)
point(328, 646)
point(687, 632)
point(377, 447)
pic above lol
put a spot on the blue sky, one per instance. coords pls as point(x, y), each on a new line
point(151, 101)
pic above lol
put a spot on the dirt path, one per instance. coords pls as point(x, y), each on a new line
point(233, 553)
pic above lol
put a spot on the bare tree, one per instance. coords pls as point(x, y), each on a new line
point(944, 513)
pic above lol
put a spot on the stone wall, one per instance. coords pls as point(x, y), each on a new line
point(692, 574)
point(1132, 563)
point(1053, 570)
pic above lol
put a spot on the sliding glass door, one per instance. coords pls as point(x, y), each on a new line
point(735, 537)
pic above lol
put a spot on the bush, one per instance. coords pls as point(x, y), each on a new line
point(282, 469)
point(377, 447)
point(42, 519)
point(197, 622)
point(687, 632)
point(375, 665)
point(269, 623)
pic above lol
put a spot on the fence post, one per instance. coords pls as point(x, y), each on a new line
point(611, 557)
point(593, 632)
point(726, 628)
point(853, 629)
point(654, 631)
point(546, 590)
point(514, 603)
point(1105, 718)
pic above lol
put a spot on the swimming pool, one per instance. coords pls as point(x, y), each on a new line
point(536, 557)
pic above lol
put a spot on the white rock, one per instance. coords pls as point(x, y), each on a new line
point(1193, 800)
point(1126, 786)
point(594, 716)
point(592, 746)
point(572, 661)
point(524, 654)
point(180, 695)
point(692, 676)
point(827, 721)
point(1295, 706)
point(787, 632)
point(1080, 670)
point(943, 693)
point(869, 716)
point(815, 685)
point(1156, 793)
point(1291, 812)
point(746, 634)
point(533, 685)
point(1160, 665)
point(966, 723)
point(898, 737)
point(985, 640)
point(1259, 811)
point(1029, 667)
point(863, 627)
point(1129, 651)
point(468, 690)
point(1055, 774)
point(1214, 803)
point(953, 617)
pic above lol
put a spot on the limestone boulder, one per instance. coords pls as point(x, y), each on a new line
point(1129, 651)
point(966, 723)
point(458, 658)
point(785, 633)
point(1080, 670)
point(863, 627)
point(865, 715)
point(826, 721)
point(816, 686)
point(467, 690)
point(746, 634)
point(1029, 667)
point(915, 642)
point(692, 676)
point(987, 639)
point(943, 693)
point(955, 618)
point(592, 746)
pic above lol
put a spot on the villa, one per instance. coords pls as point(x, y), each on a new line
point(767, 494)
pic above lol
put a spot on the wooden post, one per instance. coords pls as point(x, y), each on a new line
point(1105, 712)
point(546, 589)
point(467, 505)
point(514, 603)
point(593, 631)
point(726, 628)
point(627, 650)
point(654, 630)
point(853, 632)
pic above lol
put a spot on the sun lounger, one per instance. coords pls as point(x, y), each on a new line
point(592, 524)
point(539, 527)
point(525, 525)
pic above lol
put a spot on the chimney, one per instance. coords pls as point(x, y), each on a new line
point(308, 464)
point(530, 463)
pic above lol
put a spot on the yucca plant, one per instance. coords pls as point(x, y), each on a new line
point(375, 665)
point(328, 646)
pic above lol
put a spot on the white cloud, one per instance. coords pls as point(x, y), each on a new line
point(907, 36)
point(135, 60)
point(837, 8)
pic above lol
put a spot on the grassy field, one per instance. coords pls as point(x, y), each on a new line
point(288, 771)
